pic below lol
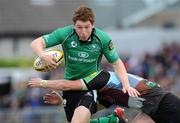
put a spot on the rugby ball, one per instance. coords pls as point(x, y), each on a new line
point(40, 66)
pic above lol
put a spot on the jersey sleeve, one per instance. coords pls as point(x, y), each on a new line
point(57, 36)
point(97, 80)
point(108, 49)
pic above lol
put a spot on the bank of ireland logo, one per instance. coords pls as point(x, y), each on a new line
point(83, 54)
point(73, 44)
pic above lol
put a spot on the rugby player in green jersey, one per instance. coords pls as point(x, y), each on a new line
point(83, 46)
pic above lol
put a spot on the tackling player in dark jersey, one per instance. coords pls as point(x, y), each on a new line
point(160, 105)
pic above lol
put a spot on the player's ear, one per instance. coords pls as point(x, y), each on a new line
point(92, 23)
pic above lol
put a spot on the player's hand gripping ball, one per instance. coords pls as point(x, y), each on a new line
point(40, 66)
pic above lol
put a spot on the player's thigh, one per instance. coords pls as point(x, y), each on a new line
point(81, 115)
point(88, 100)
point(76, 99)
point(168, 110)
point(142, 118)
point(86, 107)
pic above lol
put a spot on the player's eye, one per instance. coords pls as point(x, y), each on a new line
point(79, 27)
point(87, 27)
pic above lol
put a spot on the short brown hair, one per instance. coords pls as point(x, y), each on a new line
point(83, 13)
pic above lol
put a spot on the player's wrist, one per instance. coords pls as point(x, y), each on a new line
point(127, 86)
point(43, 83)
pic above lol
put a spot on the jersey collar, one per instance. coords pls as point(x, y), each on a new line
point(89, 39)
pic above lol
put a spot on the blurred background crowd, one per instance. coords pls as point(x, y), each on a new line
point(146, 34)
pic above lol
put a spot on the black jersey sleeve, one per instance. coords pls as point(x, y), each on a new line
point(98, 81)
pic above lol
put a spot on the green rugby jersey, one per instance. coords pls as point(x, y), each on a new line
point(82, 58)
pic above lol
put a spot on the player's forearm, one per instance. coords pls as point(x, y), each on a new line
point(63, 84)
point(56, 84)
point(38, 45)
point(121, 72)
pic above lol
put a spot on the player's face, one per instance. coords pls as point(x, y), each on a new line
point(83, 29)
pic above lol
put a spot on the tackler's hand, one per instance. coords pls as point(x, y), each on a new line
point(131, 91)
point(53, 98)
